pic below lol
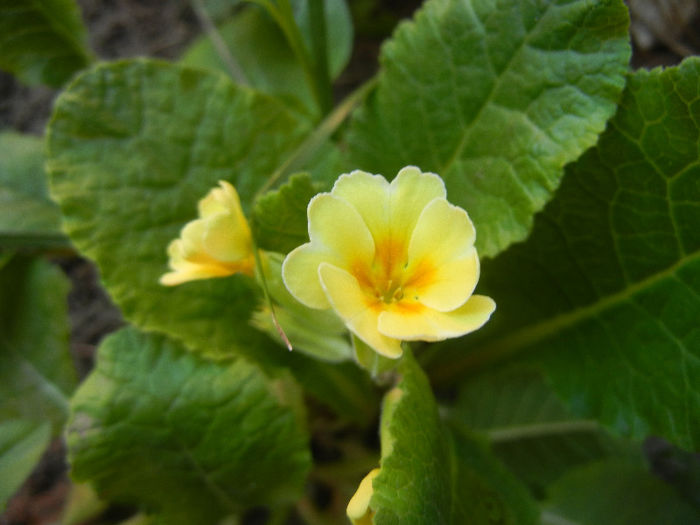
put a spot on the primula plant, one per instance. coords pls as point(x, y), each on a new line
point(467, 293)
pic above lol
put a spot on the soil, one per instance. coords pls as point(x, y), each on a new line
point(663, 31)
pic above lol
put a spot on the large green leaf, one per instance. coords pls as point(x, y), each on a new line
point(429, 475)
point(132, 147)
point(605, 295)
point(36, 371)
point(27, 216)
point(496, 97)
point(615, 493)
point(186, 437)
point(22, 443)
point(42, 41)
point(528, 427)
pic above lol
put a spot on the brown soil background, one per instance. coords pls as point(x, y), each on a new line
point(663, 32)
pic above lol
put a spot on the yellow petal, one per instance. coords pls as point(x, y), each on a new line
point(413, 321)
point(359, 312)
point(336, 227)
point(300, 275)
point(226, 238)
point(185, 270)
point(442, 271)
point(369, 195)
point(358, 509)
point(410, 192)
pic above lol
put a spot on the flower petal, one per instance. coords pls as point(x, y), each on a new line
point(226, 238)
point(300, 275)
point(359, 312)
point(336, 227)
point(185, 269)
point(413, 321)
point(443, 272)
point(369, 195)
point(410, 192)
point(358, 509)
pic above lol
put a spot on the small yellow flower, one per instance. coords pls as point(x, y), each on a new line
point(215, 245)
point(395, 261)
point(358, 509)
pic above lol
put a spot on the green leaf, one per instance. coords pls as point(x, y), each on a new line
point(22, 443)
point(191, 439)
point(36, 371)
point(528, 427)
point(605, 295)
point(132, 147)
point(27, 216)
point(339, 33)
point(42, 41)
point(430, 476)
point(496, 97)
point(615, 493)
point(158, 137)
point(279, 217)
point(263, 55)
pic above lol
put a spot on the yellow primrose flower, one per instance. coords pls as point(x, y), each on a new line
point(215, 245)
point(358, 508)
point(395, 261)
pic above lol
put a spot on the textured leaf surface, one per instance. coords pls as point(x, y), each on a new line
point(42, 41)
point(528, 427)
point(614, 493)
point(27, 215)
point(496, 97)
point(431, 476)
point(186, 437)
point(605, 295)
point(22, 443)
point(279, 217)
point(36, 371)
point(132, 147)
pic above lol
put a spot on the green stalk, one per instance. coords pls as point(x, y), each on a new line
point(317, 22)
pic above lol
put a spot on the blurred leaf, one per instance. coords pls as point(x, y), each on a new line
point(279, 217)
point(42, 41)
point(83, 505)
point(431, 476)
point(260, 49)
point(615, 493)
point(191, 439)
point(605, 295)
point(528, 427)
point(36, 370)
point(496, 97)
point(28, 217)
point(339, 33)
point(22, 443)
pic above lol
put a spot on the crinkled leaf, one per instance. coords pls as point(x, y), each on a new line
point(429, 475)
point(605, 295)
point(279, 217)
point(615, 493)
point(42, 41)
point(528, 427)
point(36, 371)
point(189, 438)
point(132, 147)
point(496, 97)
point(22, 442)
point(27, 216)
